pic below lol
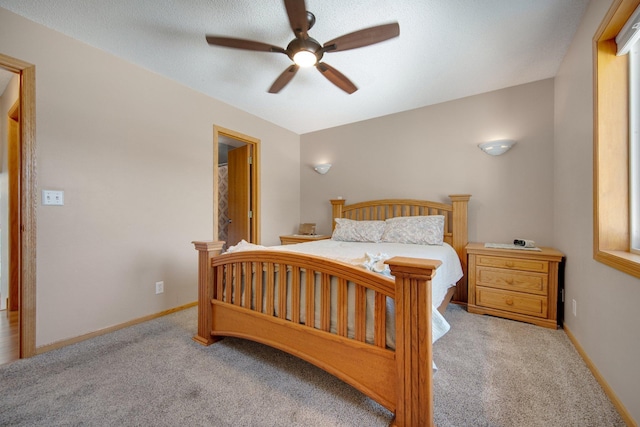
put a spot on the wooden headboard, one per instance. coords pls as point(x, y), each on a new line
point(455, 225)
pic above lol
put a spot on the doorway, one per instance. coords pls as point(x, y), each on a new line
point(236, 163)
point(24, 207)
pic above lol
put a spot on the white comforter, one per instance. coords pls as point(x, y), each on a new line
point(372, 256)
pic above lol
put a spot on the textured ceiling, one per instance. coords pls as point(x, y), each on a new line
point(447, 49)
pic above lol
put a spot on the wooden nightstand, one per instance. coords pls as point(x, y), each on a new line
point(514, 284)
point(301, 238)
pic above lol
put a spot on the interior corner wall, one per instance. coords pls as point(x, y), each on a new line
point(607, 319)
point(133, 153)
point(431, 152)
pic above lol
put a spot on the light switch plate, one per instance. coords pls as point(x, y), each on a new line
point(52, 198)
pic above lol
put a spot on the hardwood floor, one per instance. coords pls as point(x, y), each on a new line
point(9, 337)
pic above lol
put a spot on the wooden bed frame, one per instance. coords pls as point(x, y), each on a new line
point(400, 379)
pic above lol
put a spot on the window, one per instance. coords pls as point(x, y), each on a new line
point(628, 43)
point(615, 153)
point(634, 143)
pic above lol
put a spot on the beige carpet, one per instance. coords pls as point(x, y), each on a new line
point(492, 372)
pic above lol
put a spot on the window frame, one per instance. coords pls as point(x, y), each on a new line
point(612, 221)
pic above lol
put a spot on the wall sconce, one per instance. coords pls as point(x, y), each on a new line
point(496, 148)
point(322, 168)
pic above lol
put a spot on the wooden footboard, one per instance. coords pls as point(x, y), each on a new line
point(283, 299)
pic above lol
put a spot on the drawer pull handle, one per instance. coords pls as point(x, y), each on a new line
point(509, 264)
point(509, 281)
point(508, 300)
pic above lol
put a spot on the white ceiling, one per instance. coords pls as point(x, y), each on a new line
point(447, 49)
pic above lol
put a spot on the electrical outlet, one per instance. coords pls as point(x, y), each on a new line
point(574, 307)
point(159, 287)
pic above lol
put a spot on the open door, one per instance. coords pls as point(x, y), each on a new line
point(26, 225)
point(239, 196)
point(13, 164)
point(236, 189)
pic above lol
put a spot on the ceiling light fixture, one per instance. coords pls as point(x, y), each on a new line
point(304, 58)
point(496, 148)
point(305, 52)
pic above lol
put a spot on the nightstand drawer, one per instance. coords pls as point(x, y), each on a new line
point(513, 263)
point(531, 305)
point(520, 281)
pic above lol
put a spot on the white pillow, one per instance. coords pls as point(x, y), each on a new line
point(348, 230)
point(421, 230)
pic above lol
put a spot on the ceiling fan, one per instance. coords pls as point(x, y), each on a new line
point(305, 51)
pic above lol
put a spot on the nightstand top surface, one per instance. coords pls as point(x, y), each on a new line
point(309, 236)
point(545, 252)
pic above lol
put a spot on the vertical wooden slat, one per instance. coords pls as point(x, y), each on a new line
point(295, 295)
point(380, 320)
point(360, 313)
point(219, 275)
point(446, 222)
point(228, 283)
point(325, 302)
point(282, 291)
point(237, 283)
point(310, 298)
point(259, 286)
point(342, 307)
point(270, 288)
point(248, 284)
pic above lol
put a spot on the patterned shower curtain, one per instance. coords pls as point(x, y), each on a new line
point(223, 202)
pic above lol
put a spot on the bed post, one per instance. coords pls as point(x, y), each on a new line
point(338, 204)
point(414, 355)
point(460, 239)
point(206, 251)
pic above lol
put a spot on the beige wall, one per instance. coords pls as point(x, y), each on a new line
point(133, 153)
point(431, 152)
point(607, 324)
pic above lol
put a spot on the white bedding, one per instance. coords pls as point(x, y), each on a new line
point(372, 256)
point(362, 253)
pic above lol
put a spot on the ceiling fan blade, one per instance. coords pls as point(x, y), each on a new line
point(297, 12)
point(336, 77)
point(243, 44)
point(364, 37)
point(283, 79)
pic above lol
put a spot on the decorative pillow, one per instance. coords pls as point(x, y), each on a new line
point(421, 230)
point(349, 230)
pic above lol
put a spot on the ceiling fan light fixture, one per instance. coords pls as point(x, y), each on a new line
point(305, 51)
point(305, 58)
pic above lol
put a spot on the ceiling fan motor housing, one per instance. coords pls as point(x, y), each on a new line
point(309, 44)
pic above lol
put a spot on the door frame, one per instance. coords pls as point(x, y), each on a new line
point(219, 131)
point(28, 202)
